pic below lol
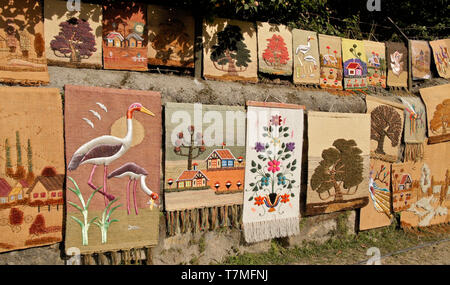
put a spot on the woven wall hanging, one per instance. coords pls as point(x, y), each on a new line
point(273, 170)
point(330, 62)
point(32, 173)
point(415, 128)
point(397, 63)
point(355, 64)
point(306, 57)
point(376, 63)
point(113, 140)
point(441, 56)
point(421, 59)
point(437, 101)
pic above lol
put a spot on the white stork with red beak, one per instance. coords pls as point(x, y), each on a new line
point(106, 149)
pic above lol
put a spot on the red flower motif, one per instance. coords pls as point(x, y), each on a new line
point(259, 200)
point(274, 166)
point(285, 198)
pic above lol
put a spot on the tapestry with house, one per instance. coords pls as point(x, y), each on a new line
point(376, 63)
point(377, 213)
point(330, 62)
point(406, 178)
point(397, 54)
point(355, 65)
point(415, 128)
point(426, 197)
point(274, 49)
point(338, 162)
point(441, 56)
point(437, 102)
point(420, 60)
point(113, 139)
point(22, 45)
point(32, 173)
point(386, 128)
point(125, 36)
point(230, 50)
point(306, 57)
point(204, 166)
point(273, 170)
point(170, 36)
point(73, 38)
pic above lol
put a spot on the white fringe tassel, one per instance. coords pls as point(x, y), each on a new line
point(263, 230)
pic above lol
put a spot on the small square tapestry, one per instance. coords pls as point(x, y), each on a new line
point(421, 59)
point(437, 101)
point(397, 54)
point(376, 63)
point(331, 73)
point(306, 58)
point(355, 64)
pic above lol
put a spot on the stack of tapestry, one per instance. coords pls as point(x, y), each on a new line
point(355, 65)
point(32, 173)
point(441, 56)
point(272, 174)
point(437, 101)
point(22, 45)
point(397, 55)
point(306, 58)
point(204, 166)
point(330, 62)
point(113, 140)
point(420, 59)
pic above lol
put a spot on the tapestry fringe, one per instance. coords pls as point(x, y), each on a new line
point(120, 257)
point(203, 219)
point(268, 229)
point(414, 152)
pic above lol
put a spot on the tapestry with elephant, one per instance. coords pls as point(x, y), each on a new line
point(32, 173)
point(397, 54)
point(113, 157)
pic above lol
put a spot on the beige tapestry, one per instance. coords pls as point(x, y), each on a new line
point(378, 212)
point(437, 102)
point(397, 54)
point(32, 167)
point(330, 62)
point(22, 45)
point(338, 162)
point(355, 64)
point(72, 38)
point(306, 57)
point(229, 50)
point(441, 56)
point(386, 128)
point(274, 49)
point(171, 36)
point(420, 58)
point(376, 63)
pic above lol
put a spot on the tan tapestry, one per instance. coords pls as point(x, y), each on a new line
point(274, 49)
point(125, 36)
point(113, 151)
point(421, 59)
point(397, 55)
point(171, 36)
point(73, 38)
point(386, 128)
point(229, 50)
point(306, 57)
point(338, 162)
point(441, 56)
point(415, 128)
point(437, 101)
point(355, 64)
point(376, 63)
point(378, 212)
point(22, 45)
point(32, 167)
point(330, 62)
point(405, 184)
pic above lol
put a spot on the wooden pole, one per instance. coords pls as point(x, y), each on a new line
point(198, 47)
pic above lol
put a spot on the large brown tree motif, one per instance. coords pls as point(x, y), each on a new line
point(341, 168)
point(441, 118)
point(385, 122)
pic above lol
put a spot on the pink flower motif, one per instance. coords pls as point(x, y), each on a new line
point(274, 165)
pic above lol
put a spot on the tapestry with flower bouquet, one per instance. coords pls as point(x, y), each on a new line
point(272, 172)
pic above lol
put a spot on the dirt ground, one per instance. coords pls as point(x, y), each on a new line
point(429, 255)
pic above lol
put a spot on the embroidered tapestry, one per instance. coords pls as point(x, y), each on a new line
point(274, 49)
point(415, 128)
point(32, 172)
point(171, 36)
point(397, 55)
point(272, 174)
point(421, 59)
point(22, 46)
point(113, 140)
point(441, 56)
point(125, 36)
point(405, 183)
point(378, 212)
point(430, 196)
point(386, 128)
point(229, 50)
point(437, 101)
point(306, 58)
point(338, 162)
point(376, 63)
point(204, 166)
point(330, 62)
point(355, 64)
point(72, 38)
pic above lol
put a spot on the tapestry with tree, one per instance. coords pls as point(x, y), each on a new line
point(437, 102)
point(73, 38)
point(338, 162)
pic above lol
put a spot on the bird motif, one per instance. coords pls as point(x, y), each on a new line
point(104, 150)
point(304, 48)
point(96, 114)
point(134, 172)
point(89, 122)
point(102, 106)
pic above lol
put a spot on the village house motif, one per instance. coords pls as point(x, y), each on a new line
point(220, 158)
point(192, 179)
point(5, 189)
point(46, 188)
point(18, 193)
point(402, 195)
point(355, 69)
